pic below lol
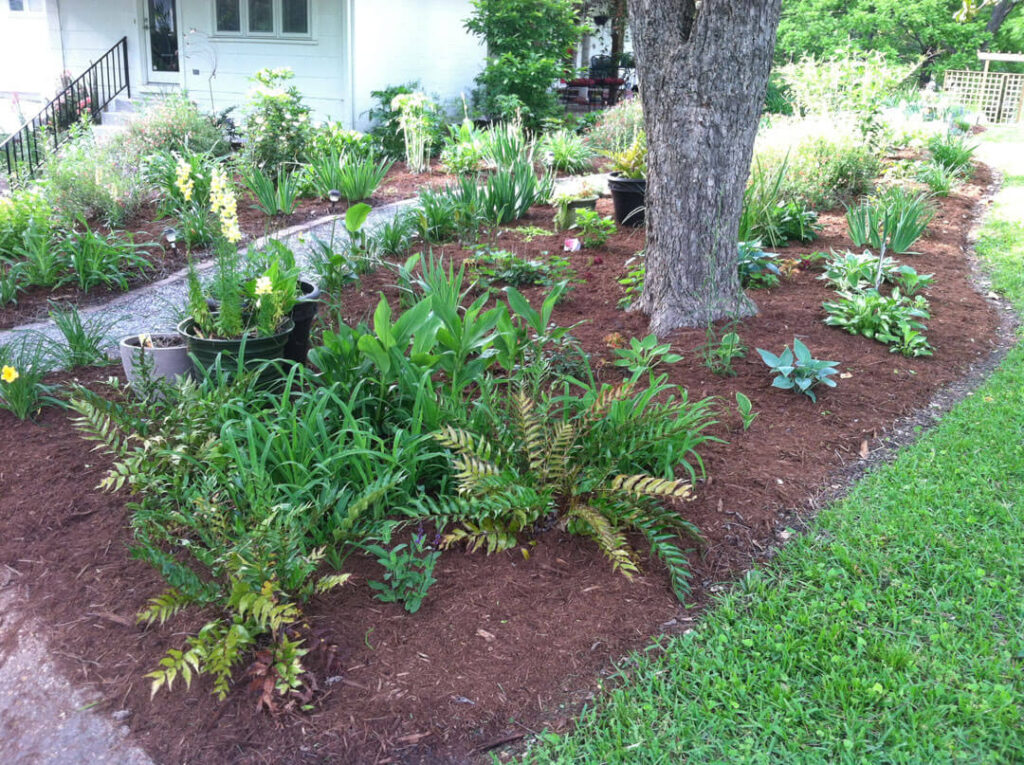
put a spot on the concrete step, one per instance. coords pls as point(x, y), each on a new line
point(117, 117)
point(122, 104)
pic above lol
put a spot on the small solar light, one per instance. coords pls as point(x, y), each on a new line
point(549, 158)
point(171, 235)
point(334, 196)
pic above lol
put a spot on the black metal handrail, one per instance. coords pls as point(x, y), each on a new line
point(91, 92)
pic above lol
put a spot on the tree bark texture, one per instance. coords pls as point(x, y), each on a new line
point(703, 73)
point(999, 13)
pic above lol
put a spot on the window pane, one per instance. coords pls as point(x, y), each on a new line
point(261, 16)
point(16, 5)
point(229, 16)
point(295, 17)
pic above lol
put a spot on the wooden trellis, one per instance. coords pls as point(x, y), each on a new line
point(1000, 95)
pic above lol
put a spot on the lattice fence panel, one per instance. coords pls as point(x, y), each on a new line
point(997, 94)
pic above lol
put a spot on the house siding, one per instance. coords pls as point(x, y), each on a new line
point(392, 42)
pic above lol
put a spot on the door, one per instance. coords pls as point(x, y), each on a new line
point(163, 55)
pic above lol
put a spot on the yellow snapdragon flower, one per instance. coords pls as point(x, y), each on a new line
point(224, 205)
point(264, 286)
point(184, 181)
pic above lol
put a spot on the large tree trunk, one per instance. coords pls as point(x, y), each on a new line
point(703, 74)
point(999, 14)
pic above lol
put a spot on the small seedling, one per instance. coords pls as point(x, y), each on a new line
point(746, 409)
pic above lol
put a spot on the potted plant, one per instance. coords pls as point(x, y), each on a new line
point(568, 203)
point(307, 296)
point(251, 320)
point(628, 182)
point(148, 357)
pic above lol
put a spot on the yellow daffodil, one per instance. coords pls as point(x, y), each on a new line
point(264, 286)
point(9, 374)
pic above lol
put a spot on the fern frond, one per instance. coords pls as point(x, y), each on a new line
point(489, 535)
point(648, 486)
point(163, 607)
point(533, 433)
point(465, 443)
point(663, 546)
point(327, 583)
point(370, 496)
point(608, 396)
point(556, 462)
point(610, 540)
point(471, 471)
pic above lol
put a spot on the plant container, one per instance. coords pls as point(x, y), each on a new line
point(628, 196)
point(256, 351)
point(302, 315)
point(167, 358)
point(587, 203)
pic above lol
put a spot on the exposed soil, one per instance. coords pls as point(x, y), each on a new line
point(503, 645)
point(147, 227)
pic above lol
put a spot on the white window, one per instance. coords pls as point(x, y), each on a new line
point(261, 18)
point(30, 6)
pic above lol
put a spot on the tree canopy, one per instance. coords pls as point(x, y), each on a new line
point(936, 30)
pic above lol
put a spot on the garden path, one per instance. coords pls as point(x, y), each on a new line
point(158, 306)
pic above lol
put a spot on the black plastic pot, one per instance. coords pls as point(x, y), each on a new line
point(254, 351)
point(628, 195)
point(302, 314)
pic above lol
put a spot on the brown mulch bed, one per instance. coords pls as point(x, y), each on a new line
point(147, 227)
point(503, 645)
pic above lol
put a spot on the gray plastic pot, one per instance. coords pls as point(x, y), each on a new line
point(168, 358)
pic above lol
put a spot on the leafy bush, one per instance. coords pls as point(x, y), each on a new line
point(277, 121)
point(644, 355)
point(798, 371)
point(172, 123)
point(299, 484)
point(757, 268)
point(333, 138)
point(566, 151)
point(893, 320)
point(544, 460)
point(850, 271)
point(88, 178)
point(852, 82)
point(19, 211)
point(594, 230)
point(632, 161)
point(526, 44)
point(464, 149)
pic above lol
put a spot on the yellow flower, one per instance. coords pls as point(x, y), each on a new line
point(9, 374)
point(184, 180)
point(224, 205)
point(264, 286)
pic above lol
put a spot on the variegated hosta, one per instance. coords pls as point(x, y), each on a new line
point(540, 471)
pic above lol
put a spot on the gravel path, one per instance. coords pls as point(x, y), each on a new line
point(158, 306)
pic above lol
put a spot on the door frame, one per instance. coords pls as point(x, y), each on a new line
point(145, 62)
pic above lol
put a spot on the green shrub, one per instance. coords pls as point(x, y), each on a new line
point(183, 180)
point(18, 212)
point(277, 121)
point(546, 460)
point(101, 260)
point(768, 217)
point(526, 44)
point(825, 172)
point(334, 138)
point(851, 82)
point(939, 179)
point(756, 267)
point(463, 151)
point(594, 230)
point(172, 123)
point(385, 117)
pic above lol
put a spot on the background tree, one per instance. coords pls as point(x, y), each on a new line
point(527, 42)
point(936, 30)
point(703, 71)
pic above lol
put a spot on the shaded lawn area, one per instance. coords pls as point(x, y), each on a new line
point(893, 631)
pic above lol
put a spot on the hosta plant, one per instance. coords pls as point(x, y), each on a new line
point(756, 267)
point(895, 320)
point(797, 370)
point(551, 462)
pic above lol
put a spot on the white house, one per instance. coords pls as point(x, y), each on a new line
point(340, 50)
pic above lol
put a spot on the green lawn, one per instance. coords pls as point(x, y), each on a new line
point(893, 632)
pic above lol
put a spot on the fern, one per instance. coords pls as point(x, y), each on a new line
point(163, 607)
point(610, 540)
